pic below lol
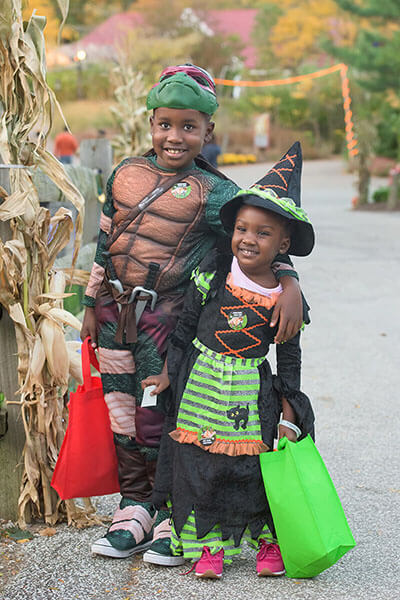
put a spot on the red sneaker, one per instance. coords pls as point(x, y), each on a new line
point(210, 565)
point(269, 560)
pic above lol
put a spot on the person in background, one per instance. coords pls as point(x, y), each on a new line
point(211, 151)
point(65, 146)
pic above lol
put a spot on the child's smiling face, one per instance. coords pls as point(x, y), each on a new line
point(258, 236)
point(178, 135)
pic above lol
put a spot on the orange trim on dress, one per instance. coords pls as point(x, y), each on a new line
point(251, 297)
point(221, 446)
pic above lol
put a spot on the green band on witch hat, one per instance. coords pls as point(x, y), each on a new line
point(181, 91)
point(302, 233)
point(287, 204)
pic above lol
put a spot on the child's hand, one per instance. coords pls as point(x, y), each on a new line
point(89, 326)
point(288, 311)
point(286, 432)
point(160, 381)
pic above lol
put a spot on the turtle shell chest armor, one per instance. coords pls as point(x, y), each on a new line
point(164, 233)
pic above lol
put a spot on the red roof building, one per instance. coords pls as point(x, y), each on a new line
point(239, 22)
point(104, 40)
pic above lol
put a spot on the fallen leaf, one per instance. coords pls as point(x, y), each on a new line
point(48, 531)
point(23, 541)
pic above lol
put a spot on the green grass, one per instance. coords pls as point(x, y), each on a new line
point(85, 117)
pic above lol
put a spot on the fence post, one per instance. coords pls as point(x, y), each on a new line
point(12, 443)
point(96, 154)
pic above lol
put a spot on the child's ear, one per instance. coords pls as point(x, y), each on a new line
point(210, 129)
point(151, 121)
point(285, 244)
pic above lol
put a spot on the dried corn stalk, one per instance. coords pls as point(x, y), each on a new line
point(129, 113)
point(30, 289)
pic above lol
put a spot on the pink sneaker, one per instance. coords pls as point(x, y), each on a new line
point(269, 560)
point(210, 565)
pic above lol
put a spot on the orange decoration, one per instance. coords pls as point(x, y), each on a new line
point(341, 67)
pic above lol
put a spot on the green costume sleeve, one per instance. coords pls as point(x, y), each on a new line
point(98, 265)
point(223, 191)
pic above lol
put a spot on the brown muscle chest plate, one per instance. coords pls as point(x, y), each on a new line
point(163, 232)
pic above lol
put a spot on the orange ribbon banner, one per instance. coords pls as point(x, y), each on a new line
point(350, 137)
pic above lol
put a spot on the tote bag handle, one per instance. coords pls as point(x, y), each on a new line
point(88, 358)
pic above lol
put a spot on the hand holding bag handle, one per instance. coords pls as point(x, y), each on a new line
point(88, 358)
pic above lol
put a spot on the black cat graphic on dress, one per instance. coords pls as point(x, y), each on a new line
point(238, 414)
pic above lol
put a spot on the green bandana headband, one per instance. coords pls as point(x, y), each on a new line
point(181, 91)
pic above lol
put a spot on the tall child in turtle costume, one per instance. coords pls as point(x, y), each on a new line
point(160, 219)
point(225, 404)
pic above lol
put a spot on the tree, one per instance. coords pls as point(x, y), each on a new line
point(266, 20)
point(288, 31)
point(375, 53)
point(184, 34)
point(375, 61)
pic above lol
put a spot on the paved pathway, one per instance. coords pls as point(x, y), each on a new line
point(351, 364)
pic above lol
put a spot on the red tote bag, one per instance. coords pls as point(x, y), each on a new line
point(87, 463)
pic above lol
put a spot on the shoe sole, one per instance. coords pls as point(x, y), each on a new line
point(115, 553)
point(159, 559)
point(268, 573)
point(209, 575)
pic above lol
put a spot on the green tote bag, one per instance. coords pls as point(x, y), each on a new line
point(310, 524)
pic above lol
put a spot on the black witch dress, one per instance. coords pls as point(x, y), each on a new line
point(214, 472)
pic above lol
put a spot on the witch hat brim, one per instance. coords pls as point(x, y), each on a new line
point(279, 192)
point(302, 237)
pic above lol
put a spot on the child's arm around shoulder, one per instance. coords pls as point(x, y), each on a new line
point(288, 311)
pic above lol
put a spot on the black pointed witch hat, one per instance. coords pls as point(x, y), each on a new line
point(279, 192)
point(285, 176)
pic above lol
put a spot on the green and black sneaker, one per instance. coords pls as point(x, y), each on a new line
point(160, 552)
point(130, 532)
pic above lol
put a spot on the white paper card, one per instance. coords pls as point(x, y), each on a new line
point(149, 400)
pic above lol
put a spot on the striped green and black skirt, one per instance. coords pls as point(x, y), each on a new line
point(219, 411)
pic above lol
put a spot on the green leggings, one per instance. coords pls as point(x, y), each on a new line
point(191, 547)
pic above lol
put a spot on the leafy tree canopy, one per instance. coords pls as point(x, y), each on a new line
point(375, 53)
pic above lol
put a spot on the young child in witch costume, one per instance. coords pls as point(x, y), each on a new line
point(160, 219)
point(226, 403)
